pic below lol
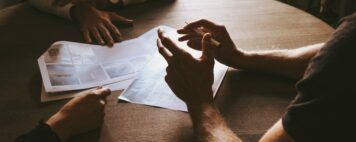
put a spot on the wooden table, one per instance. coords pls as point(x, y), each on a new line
point(250, 102)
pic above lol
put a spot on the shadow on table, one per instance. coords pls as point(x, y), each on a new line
point(252, 102)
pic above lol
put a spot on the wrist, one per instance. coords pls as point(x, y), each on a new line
point(203, 101)
point(200, 106)
point(239, 59)
point(202, 109)
point(58, 124)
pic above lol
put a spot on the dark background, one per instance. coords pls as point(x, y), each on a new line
point(7, 3)
point(335, 9)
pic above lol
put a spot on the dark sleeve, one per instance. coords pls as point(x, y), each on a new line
point(325, 107)
point(42, 133)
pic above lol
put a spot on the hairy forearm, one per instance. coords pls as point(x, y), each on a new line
point(289, 63)
point(209, 126)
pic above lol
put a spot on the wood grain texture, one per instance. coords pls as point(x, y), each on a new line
point(250, 102)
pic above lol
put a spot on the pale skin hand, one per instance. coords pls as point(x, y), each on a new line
point(191, 79)
point(288, 63)
point(98, 24)
point(193, 73)
point(80, 114)
point(227, 53)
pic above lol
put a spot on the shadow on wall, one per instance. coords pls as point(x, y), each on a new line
point(330, 11)
point(7, 3)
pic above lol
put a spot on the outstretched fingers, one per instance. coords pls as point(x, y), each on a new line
point(169, 44)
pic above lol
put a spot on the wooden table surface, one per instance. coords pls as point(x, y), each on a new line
point(250, 102)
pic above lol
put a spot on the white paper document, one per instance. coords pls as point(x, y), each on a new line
point(150, 88)
point(68, 66)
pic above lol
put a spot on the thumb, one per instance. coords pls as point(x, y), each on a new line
point(207, 48)
point(118, 18)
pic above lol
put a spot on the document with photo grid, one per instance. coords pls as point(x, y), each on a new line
point(67, 66)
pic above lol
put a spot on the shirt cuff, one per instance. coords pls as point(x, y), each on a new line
point(42, 133)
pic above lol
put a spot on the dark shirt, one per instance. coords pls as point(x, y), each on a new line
point(42, 133)
point(324, 109)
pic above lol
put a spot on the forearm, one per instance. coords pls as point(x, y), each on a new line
point(47, 6)
point(209, 126)
point(289, 63)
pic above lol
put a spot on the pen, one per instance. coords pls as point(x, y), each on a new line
point(201, 33)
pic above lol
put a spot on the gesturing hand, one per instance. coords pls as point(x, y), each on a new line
point(81, 114)
point(98, 24)
point(189, 78)
point(226, 53)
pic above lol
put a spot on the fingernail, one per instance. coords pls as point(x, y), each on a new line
point(99, 87)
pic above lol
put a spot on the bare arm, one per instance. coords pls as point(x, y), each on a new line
point(288, 63)
point(276, 134)
point(209, 125)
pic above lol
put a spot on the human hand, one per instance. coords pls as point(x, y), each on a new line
point(227, 53)
point(189, 78)
point(98, 24)
point(80, 114)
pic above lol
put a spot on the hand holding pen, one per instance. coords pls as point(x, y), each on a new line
point(226, 51)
